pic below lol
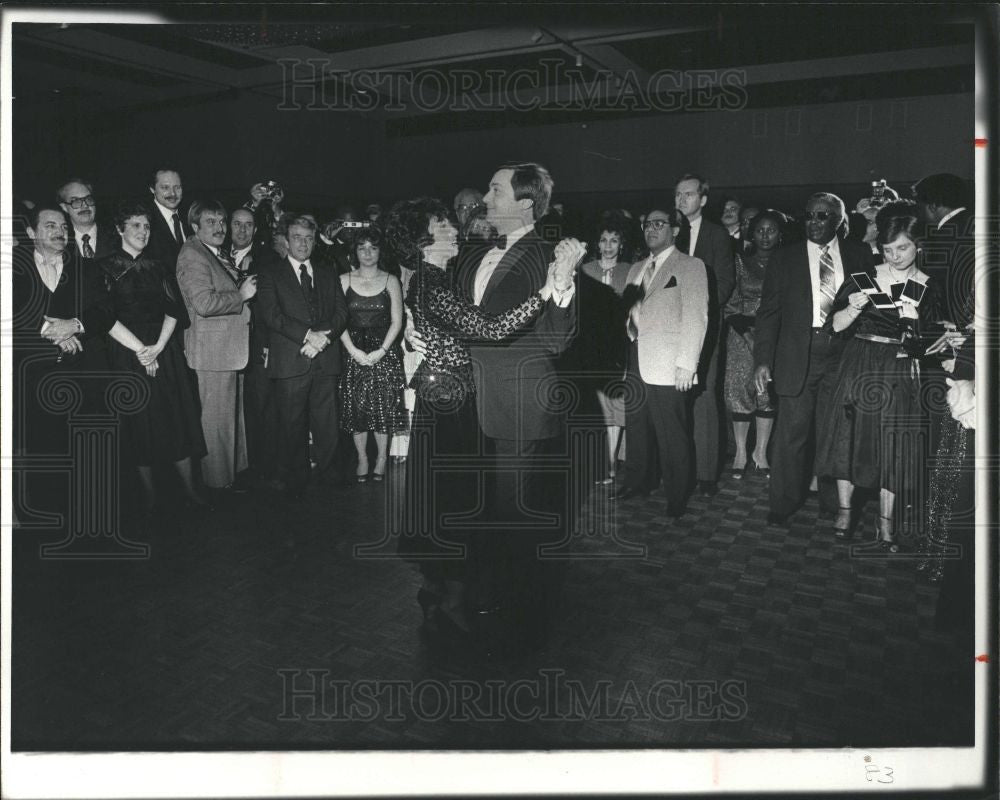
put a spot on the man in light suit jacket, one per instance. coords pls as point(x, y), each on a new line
point(795, 347)
point(303, 305)
point(217, 343)
point(667, 324)
point(713, 246)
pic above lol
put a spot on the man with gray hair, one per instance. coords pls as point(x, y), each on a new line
point(795, 349)
point(92, 239)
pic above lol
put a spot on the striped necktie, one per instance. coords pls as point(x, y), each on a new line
point(827, 283)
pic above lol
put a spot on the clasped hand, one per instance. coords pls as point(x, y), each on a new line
point(316, 342)
point(568, 255)
point(59, 330)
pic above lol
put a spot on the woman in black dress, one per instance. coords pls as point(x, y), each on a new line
point(145, 303)
point(442, 489)
point(371, 387)
point(871, 437)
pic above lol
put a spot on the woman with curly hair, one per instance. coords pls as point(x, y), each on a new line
point(440, 489)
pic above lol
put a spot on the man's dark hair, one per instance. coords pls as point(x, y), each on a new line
point(531, 181)
point(36, 212)
point(158, 170)
point(943, 189)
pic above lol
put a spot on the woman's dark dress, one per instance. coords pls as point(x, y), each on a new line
point(371, 398)
point(872, 437)
point(168, 426)
point(442, 482)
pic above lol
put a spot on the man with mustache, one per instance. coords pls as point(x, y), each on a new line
point(217, 342)
point(168, 226)
point(92, 239)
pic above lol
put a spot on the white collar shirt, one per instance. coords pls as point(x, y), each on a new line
point(492, 259)
point(814, 250)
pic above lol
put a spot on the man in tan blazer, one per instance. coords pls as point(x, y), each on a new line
point(667, 321)
point(217, 343)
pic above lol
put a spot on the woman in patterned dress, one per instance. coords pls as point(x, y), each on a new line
point(441, 488)
point(371, 387)
point(764, 235)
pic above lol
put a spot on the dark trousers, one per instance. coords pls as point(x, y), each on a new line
point(260, 411)
point(794, 442)
point(706, 412)
point(657, 418)
point(306, 403)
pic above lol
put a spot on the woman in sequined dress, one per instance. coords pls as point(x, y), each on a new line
point(442, 484)
point(371, 387)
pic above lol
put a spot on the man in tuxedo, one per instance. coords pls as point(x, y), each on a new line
point(711, 244)
point(514, 378)
point(668, 295)
point(216, 343)
point(305, 310)
point(795, 348)
point(92, 238)
point(57, 319)
point(168, 228)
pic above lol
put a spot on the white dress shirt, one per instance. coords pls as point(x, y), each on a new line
point(168, 217)
point(298, 275)
point(490, 261)
point(92, 241)
point(814, 251)
point(637, 280)
point(948, 216)
point(239, 255)
point(50, 271)
point(695, 230)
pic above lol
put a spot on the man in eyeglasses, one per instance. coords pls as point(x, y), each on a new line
point(93, 239)
point(669, 297)
point(795, 347)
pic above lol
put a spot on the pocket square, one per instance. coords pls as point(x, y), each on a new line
point(671, 283)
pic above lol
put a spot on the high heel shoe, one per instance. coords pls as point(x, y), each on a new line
point(846, 530)
point(361, 475)
point(737, 472)
point(885, 537)
point(377, 476)
point(756, 469)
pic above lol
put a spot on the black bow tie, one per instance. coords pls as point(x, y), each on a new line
point(500, 242)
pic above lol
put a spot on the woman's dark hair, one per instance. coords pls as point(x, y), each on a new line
point(406, 228)
point(780, 220)
point(124, 211)
point(898, 219)
point(616, 222)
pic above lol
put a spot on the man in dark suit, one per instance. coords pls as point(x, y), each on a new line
point(168, 226)
point(260, 410)
point(93, 239)
point(712, 244)
point(57, 319)
point(304, 307)
point(513, 381)
point(796, 349)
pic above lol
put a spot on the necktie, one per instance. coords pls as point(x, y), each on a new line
point(647, 280)
point(500, 243)
point(647, 276)
point(178, 233)
point(827, 289)
point(88, 251)
point(307, 289)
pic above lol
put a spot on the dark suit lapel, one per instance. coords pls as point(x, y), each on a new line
point(507, 264)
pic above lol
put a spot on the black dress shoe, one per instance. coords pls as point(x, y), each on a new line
point(708, 488)
point(778, 519)
point(627, 493)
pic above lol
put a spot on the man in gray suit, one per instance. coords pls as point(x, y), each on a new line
point(217, 343)
point(667, 322)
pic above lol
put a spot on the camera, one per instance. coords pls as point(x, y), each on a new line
point(271, 189)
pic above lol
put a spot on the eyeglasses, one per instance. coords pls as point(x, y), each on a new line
point(822, 216)
point(655, 224)
point(76, 203)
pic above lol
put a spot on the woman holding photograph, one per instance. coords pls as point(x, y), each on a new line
point(871, 437)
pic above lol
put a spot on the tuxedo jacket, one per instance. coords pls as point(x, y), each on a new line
point(515, 379)
point(283, 306)
point(162, 245)
point(783, 328)
point(218, 338)
point(948, 257)
point(672, 318)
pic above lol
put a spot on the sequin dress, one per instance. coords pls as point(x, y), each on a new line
point(740, 394)
point(371, 398)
